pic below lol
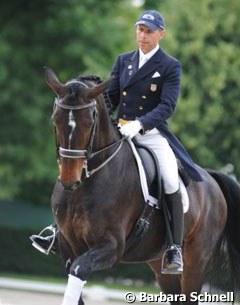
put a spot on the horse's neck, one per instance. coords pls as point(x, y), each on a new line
point(106, 133)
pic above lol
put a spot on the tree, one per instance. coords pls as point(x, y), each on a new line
point(73, 38)
point(204, 37)
point(84, 37)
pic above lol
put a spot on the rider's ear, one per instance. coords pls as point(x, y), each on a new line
point(53, 81)
point(95, 91)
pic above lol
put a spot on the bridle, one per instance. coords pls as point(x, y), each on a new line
point(88, 153)
point(79, 153)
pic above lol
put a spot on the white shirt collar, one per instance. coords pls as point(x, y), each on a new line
point(149, 54)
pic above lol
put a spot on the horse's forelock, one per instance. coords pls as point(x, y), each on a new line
point(95, 80)
point(74, 89)
point(76, 86)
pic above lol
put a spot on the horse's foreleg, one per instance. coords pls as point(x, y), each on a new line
point(170, 284)
point(101, 256)
point(80, 302)
point(196, 259)
point(66, 252)
point(192, 280)
point(67, 256)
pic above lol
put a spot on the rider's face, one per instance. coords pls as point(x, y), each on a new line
point(147, 39)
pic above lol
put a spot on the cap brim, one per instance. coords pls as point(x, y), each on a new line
point(150, 25)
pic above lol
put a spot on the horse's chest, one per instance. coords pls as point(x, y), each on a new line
point(63, 204)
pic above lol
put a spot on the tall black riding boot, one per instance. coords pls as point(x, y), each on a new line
point(46, 244)
point(173, 256)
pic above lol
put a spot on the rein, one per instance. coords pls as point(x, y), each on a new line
point(88, 153)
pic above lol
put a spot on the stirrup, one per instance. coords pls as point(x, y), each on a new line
point(177, 270)
point(51, 228)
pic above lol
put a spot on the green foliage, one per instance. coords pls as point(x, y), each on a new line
point(80, 37)
point(22, 215)
point(73, 38)
point(204, 37)
point(20, 257)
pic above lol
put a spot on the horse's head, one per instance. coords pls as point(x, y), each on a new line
point(75, 119)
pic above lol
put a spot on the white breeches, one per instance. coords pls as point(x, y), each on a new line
point(166, 158)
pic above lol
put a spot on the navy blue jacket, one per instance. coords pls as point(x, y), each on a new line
point(150, 94)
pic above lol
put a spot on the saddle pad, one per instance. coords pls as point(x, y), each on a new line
point(152, 201)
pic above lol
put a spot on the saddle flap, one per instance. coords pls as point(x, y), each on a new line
point(150, 166)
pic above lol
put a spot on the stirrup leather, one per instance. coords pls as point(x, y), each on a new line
point(38, 247)
point(177, 270)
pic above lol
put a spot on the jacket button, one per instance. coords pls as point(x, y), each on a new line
point(124, 104)
point(124, 93)
point(144, 97)
point(124, 116)
point(140, 107)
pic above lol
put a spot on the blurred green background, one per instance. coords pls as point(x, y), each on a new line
point(80, 37)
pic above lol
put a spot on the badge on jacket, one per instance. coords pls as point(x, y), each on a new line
point(130, 72)
point(153, 87)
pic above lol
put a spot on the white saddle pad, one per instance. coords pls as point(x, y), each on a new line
point(147, 197)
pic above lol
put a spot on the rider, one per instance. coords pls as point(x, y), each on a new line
point(145, 88)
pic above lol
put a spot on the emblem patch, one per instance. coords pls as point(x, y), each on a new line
point(153, 87)
point(130, 71)
point(148, 16)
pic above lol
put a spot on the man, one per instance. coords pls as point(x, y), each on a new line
point(145, 88)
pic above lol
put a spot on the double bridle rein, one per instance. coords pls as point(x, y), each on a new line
point(88, 153)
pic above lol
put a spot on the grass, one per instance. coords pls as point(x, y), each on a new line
point(34, 278)
point(118, 286)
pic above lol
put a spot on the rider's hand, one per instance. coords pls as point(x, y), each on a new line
point(131, 129)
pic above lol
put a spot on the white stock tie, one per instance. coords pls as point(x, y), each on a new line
point(142, 61)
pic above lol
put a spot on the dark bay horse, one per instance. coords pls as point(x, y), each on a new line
point(98, 199)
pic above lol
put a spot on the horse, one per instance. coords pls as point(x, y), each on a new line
point(98, 199)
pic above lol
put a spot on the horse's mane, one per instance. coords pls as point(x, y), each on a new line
point(97, 80)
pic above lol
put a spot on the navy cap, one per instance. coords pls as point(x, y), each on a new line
point(152, 19)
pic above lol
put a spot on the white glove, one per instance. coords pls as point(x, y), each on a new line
point(131, 129)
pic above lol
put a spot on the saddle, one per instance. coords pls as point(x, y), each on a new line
point(152, 171)
point(154, 184)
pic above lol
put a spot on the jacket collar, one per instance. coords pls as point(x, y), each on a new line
point(151, 65)
point(149, 54)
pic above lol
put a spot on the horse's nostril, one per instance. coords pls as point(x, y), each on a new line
point(78, 183)
point(71, 186)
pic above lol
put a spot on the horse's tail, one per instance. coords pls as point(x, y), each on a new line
point(231, 192)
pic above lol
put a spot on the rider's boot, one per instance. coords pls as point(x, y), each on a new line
point(173, 260)
point(46, 244)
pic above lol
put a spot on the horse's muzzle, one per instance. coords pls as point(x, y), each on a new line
point(70, 186)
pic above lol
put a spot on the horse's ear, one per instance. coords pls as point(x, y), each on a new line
point(53, 81)
point(95, 91)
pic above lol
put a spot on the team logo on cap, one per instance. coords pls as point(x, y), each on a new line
point(148, 16)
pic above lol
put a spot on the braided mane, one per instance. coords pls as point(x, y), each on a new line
point(97, 80)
